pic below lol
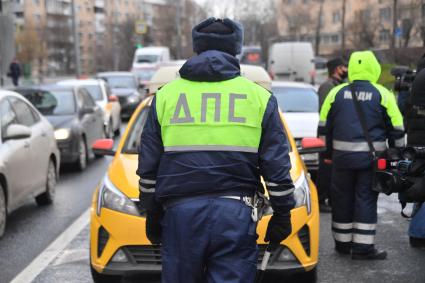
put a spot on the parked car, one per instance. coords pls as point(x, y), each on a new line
point(299, 103)
point(292, 61)
point(76, 118)
point(101, 93)
point(118, 242)
point(126, 87)
point(27, 146)
point(150, 56)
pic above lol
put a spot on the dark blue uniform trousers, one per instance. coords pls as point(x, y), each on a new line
point(354, 209)
point(209, 240)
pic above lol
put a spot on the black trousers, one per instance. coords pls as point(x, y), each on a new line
point(354, 209)
point(323, 181)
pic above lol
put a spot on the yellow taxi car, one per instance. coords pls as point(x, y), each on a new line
point(118, 243)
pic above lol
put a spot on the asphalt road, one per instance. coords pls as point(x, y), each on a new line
point(404, 264)
point(31, 229)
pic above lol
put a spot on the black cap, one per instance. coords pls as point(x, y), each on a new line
point(218, 34)
point(335, 63)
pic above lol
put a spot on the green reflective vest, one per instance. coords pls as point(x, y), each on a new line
point(211, 116)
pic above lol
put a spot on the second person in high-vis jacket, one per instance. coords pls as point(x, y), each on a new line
point(354, 202)
point(208, 138)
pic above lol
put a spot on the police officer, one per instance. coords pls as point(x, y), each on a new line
point(337, 70)
point(354, 203)
point(208, 138)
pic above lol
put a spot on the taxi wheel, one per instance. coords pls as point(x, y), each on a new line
point(48, 196)
point(3, 211)
point(102, 278)
point(307, 277)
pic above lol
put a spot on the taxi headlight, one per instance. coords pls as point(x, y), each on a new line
point(110, 197)
point(302, 193)
point(62, 134)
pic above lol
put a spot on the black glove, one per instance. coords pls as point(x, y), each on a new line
point(279, 228)
point(153, 227)
point(154, 214)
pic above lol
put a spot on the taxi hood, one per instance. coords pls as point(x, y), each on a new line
point(122, 173)
point(363, 66)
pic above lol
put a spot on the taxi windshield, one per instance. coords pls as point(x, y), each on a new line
point(132, 143)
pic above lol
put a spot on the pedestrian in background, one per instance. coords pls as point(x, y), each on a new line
point(357, 119)
point(14, 71)
point(208, 138)
point(337, 70)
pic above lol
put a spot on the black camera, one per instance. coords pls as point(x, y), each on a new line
point(403, 174)
point(404, 77)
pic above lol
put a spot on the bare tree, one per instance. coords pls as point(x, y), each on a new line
point(363, 29)
point(301, 21)
point(319, 27)
point(343, 34)
point(32, 47)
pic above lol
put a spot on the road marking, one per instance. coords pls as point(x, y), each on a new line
point(42, 260)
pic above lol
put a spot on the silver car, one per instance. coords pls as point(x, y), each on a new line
point(29, 156)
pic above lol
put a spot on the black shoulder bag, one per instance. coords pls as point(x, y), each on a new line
point(363, 124)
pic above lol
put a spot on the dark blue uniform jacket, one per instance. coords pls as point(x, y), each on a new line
point(187, 174)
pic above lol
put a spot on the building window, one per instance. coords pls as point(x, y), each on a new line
point(36, 2)
point(385, 14)
point(335, 38)
point(384, 35)
point(365, 15)
point(336, 17)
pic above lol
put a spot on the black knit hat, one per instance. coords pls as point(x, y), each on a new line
point(417, 96)
point(335, 63)
point(216, 34)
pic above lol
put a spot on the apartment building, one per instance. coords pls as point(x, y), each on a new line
point(368, 23)
point(52, 21)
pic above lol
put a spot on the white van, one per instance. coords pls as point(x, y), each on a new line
point(150, 56)
point(292, 61)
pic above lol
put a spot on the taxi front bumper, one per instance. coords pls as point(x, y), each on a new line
point(114, 233)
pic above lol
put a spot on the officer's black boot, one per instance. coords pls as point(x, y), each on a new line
point(372, 255)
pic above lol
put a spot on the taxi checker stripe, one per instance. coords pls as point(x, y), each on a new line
point(147, 181)
point(363, 239)
point(281, 193)
point(211, 148)
point(358, 146)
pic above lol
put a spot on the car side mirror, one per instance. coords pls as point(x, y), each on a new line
point(113, 98)
point(103, 147)
point(86, 110)
point(312, 145)
point(16, 132)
